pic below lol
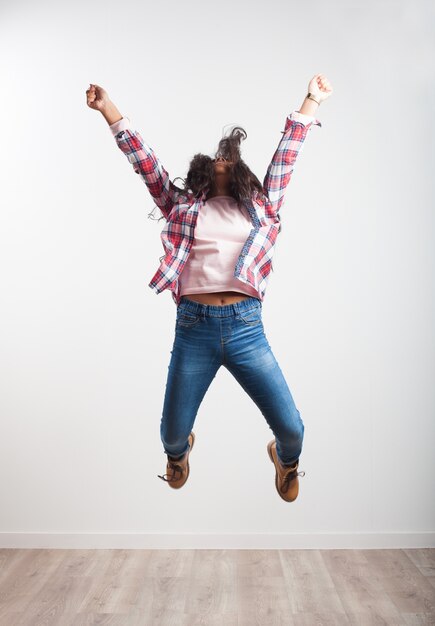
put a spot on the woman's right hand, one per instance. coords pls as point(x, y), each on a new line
point(97, 97)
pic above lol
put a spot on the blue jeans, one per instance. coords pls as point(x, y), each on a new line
point(208, 336)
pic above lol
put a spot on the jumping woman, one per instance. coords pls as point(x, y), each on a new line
point(219, 237)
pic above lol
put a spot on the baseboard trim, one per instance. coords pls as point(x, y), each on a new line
point(203, 541)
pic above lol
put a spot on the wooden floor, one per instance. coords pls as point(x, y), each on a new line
point(217, 587)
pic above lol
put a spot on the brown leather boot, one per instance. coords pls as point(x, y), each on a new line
point(177, 470)
point(286, 477)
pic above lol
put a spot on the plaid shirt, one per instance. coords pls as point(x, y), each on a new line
point(181, 209)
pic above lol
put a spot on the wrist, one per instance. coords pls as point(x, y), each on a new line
point(309, 106)
point(110, 113)
point(315, 97)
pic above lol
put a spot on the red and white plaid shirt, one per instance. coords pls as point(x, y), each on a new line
point(181, 209)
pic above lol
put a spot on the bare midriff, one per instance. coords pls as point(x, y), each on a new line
point(218, 297)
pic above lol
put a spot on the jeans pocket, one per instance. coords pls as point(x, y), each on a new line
point(251, 317)
point(187, 318)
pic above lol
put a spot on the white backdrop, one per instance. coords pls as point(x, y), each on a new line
point(85, 343)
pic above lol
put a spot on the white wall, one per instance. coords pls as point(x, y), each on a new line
point(85, 343)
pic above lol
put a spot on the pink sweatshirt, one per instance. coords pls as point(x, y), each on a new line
point(221, 230)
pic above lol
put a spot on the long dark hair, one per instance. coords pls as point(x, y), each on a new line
point(201, 172)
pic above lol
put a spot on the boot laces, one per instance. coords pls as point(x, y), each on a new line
point(175, 467)
point(290, 475)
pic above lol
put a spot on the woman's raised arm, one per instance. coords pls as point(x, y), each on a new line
point(297, 125)
point(143, 158)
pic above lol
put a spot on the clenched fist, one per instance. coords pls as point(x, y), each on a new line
point(97, 97)
point(320, 87)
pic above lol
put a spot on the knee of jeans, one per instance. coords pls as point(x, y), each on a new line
point(301, 423)
point(298, 433)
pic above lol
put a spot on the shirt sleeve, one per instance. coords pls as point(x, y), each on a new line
point(121, 124)
point(146, 163)
point(302, 117)
point(279, 173)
